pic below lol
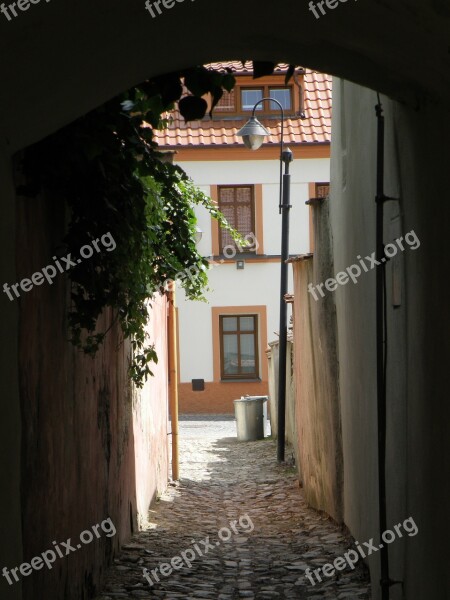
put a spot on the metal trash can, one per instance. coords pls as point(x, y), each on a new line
point(251, 417)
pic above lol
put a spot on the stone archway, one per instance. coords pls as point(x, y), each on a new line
point(61, 60)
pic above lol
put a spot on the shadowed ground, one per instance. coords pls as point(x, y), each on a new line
point(275, 538)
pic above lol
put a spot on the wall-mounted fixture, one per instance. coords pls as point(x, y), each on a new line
point(198, 385)
point(198, 235)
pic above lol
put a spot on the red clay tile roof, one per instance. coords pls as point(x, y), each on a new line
point(240, 68)
point(315, 129)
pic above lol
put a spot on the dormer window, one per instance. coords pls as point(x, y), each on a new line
point(284, 97)
point(227, 104)
point(244, 97)
point(250, 96)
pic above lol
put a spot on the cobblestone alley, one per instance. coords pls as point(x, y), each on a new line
point(274, 538)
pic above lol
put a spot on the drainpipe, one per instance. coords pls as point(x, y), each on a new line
point(381, 330)
point(173, 382)
point(381, 353)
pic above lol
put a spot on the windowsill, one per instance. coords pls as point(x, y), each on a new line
point(253, 380)
point(239, 255)
point(243, 256)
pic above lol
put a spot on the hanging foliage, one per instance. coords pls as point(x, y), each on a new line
point(109, 170)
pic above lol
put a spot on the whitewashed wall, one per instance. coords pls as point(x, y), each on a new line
point(258, 283)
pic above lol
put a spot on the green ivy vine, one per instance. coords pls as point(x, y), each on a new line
point(109, 170)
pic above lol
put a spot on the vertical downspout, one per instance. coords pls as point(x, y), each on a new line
point(173, 382)
point(381, 367)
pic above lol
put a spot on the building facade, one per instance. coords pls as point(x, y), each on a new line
point(223, 342)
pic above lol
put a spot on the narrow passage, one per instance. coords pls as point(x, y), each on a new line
point(239, 519)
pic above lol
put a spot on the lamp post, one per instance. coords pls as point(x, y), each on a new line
point(253, 134)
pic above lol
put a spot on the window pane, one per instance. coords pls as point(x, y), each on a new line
point(230, 355)
point(226, 205)
point(283, 95)
point(229, 323)
point(228, 211)
point(244, 194)
point(250, 97)
point(227, 102)
point(244, 220)
point(248, 358)
point(226, 195)
point(227, 244)
point(237, 205)
point(239, 352)
point(247, 323)
point(322, 190)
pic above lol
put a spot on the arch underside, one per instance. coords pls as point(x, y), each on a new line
point(61, 60)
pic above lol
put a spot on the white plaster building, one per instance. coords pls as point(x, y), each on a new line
point(223, 342)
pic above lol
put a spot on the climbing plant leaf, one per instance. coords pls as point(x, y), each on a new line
point(108, 169)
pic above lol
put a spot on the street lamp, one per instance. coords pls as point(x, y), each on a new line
point(253, 134)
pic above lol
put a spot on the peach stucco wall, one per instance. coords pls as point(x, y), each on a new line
point(92, 448)
point(217, 398)
point(316, 378)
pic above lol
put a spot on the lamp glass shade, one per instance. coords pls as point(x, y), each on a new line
point(253, 134)
point(253, 141)
point(198, 235)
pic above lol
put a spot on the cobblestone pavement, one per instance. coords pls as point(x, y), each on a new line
point(275, 538)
